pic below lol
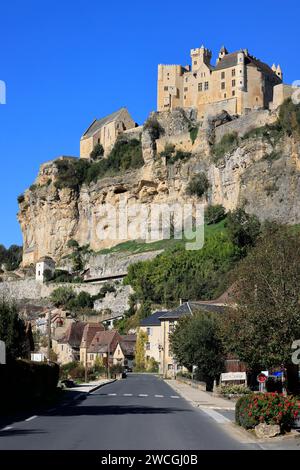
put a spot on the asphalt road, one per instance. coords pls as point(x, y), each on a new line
point(140, 412)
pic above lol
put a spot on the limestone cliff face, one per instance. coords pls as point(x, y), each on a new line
point(261, 176)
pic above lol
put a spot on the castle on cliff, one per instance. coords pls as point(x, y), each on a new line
point(238, 83)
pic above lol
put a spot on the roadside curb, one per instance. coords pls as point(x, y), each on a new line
point(84, 394)
point(102, 385)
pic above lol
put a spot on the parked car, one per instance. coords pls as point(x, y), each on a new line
point(127, 369)
point(68, 383)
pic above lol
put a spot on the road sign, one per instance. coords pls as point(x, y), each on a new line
point(261, 378)
point(229, 376)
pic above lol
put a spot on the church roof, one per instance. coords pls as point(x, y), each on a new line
point(98, 123)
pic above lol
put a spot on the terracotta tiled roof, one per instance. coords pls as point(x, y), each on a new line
point(104, 340)
point(128, 347)
point(90, 330)
point(73, 334)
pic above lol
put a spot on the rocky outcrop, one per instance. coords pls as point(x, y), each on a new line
point(260, 174)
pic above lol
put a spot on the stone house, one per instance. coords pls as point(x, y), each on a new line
point(44, 266)
point(160, 325)
point(102, 346)
point(238, 83)
point(125, 351)
point(67, 347)
point(89, 333)
point(105, 131)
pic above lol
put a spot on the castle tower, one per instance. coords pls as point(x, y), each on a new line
point(200, 56)
point(274, 68)
point(279, 72)
point(222, 53)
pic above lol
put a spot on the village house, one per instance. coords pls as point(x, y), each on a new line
point(238, 83)
point(102, 346)
point(105, 131)
point(89, 333)
point(125, 351)
point(67, 347)
point(161, 324)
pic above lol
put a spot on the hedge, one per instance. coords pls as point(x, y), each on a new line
point(26, 382)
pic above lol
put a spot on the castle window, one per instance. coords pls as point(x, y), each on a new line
point(184, 97)
point(222, 85)
point(166, 88)
point(185, 88)
point(222, 75)
point(233, 72)
point(98, 141)
point(200, 87)
point(195, 62)
point(205, 85)
point(233, 92)
point(233, 82)
point(225, 95)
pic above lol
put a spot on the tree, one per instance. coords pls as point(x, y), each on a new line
point(196, 341)
point(13, 332)
point(214, 214)
point(98, 151)
point(260, 331)
point(140, 360)
point(62, 295)
point(243, 229)
point(198, 185)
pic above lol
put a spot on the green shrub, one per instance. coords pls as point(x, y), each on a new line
point(82, 300)
point(269, 408)
point(98, 151)
point(73, 244)
point(106, 288)
point(228, 143)
point(172, 155)
point(153, 127)
point(71, 173)
point(289, 117)
point(214, 214)
point(193, 130)
point(11, 257)
point(116, 369)
point(228, 390)
point(198, 185)
point(152, 365)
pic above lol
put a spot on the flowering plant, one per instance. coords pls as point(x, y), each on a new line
point(269, 408)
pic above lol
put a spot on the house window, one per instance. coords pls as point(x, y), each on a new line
point(222, 75)
point(199, 86)
point(233, 72)
point(62, 347)
point(233, 82)
point(99, 139)
point(91, 357)
point(222, 85)
point(149, 331)
point(170, 366)
point(172, 326)
point(205, 86)
point(186, 80)
point(147, 346)
point(166, 88)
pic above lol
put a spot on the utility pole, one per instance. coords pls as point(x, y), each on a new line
point(85, 366)
point(49, 334)
point(108, 352)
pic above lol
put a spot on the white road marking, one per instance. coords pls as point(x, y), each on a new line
point(159, 396)
point(215, 415)
point(31, 418)
point(7, 428)
point(127, 394)
point(142, 395)
point(112, 394)
point(175, 396)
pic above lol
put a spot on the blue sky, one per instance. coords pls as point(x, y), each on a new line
point(67, 62)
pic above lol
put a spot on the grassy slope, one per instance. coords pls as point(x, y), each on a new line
point(134, 246)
